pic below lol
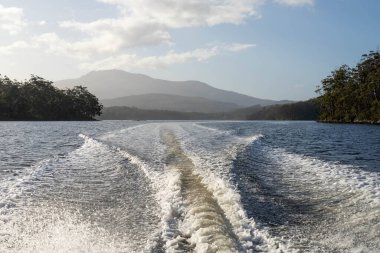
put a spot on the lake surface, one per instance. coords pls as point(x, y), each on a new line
point(127, 186)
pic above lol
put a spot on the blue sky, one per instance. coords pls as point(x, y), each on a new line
point(277, 49)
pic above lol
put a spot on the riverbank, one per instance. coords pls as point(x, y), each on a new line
point(359, 122)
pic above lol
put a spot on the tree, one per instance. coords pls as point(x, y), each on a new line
point(352, 94)
point(83, 102)
point(38, 99)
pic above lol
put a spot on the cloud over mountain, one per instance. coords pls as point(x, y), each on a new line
point(12, 19)
point(138, 24)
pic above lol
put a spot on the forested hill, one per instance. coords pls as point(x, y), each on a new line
point(352, 95)
point(348, 95)
point(307, 110)
point(304, 110)
point(38, 99)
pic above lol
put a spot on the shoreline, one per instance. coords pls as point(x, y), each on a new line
point(44, 120)
point(353, 122)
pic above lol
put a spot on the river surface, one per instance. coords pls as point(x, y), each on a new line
point(129, 186)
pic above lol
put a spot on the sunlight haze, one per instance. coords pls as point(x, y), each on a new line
point(277, 49)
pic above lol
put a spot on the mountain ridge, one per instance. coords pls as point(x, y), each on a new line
point(158, 101)
point(110, 84)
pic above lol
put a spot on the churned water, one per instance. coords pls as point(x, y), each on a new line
point(127, 186)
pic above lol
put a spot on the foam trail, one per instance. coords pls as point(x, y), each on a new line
point(53, 229)
point(204, 223)
point(72, 203)
point(187, 187)
point(342, 201)
point(333, 175)
point(213, 154)
point(156, 179)
point(167, 188)
point(171, 177)
point(213, 168)
point(215, 130)
point(13, 190)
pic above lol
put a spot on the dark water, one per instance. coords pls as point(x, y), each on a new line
point(123, 186)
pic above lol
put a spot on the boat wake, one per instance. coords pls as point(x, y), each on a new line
point(179, 187)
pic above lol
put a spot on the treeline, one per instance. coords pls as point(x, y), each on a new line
point(38, 99)
point(133, 113)
point(351, 95)
point(307, 110)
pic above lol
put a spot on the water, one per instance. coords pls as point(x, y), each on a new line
point(125, 186)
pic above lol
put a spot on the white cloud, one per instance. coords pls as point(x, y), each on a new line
point(189, 13)
point(112, 35)
point(237, 47)
point(148, 23)
point(9, 49)
point(12, 19)
point(295, 2)
point(141, 23)
point(52, 43)
point(132, 61)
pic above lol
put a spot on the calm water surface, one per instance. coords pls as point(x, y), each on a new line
point(126, 186)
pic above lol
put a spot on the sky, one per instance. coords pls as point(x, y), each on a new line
point(274, 49)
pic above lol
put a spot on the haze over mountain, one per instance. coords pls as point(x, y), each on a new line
point(171, 102)
point(110, 84)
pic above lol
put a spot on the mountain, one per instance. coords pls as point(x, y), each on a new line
point(171, 102)
point(304, 110)
point(108, 84)
point(133, 113)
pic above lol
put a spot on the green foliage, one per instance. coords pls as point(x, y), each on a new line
point(38, 99)
point(132, 113)
point(352, 94)
point(305, 110)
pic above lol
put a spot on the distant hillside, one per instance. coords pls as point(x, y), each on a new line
point(132, 113)
point(171, 102)
point(307, 110)
point(109, 84)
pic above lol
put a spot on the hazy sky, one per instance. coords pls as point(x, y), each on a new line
point(278, 49)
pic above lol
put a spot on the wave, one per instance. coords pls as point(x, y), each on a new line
point(349, 196)
point(178, 187)
point(329, 175)
point(317, 205)
point(155, 181)
point(12, 189)
point(213, 164)
point(90, 197)
point(167, 194)
point(185, 222)
point(55, 229)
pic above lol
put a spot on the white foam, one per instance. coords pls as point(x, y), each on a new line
point(212, 151)
point(11, 191)
point(40, 227)
point(168, 188)
point(332, 175)
point(65, 232)
point(117, 133)
point(214, 166)
point(348, 195)
point(157, 180)
point(167, 185)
